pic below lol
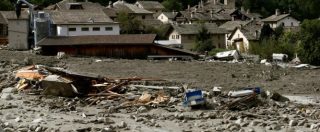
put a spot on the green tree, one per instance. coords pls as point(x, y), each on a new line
point(5, 5)
point(129, 24)
point(266, 32)
point(203, 40)
point(309, 42)
point(171, 5)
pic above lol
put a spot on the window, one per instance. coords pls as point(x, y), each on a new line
point(218, 37)
point(85, 29)
point(143, 17)
point(108, 28)
point(173, 36)
point(291, 24)
point(72, 29)
point(96, 29)
point(177, 36)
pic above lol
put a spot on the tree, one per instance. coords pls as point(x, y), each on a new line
point(171, 5)
point(309, 42)
point(266, 32)
point(203, 40)
point(129, 24)
point(5, 5)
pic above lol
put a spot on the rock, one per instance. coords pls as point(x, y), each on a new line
point(37, 120)
point(8, 130)
point(276, 127)
point(302, 122)
point(314, 126)
point(6, 96)
point(239, 121)
point(107, 129)
point(293, 123)
point(142, 109)
point(254, 123)
point(18, 119)
point(23, 129)
point(122, 124)
point(38, 129)
point(27, 61)
point(86, 129)
point(9, 90)
point(9, 117)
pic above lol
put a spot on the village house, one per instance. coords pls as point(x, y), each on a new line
point(131, 9)
point(153, 6)
point(185, 34)
point(243, 36)
point(18, 29)
point(81, 18)
point(168, 17)
point(278, 19)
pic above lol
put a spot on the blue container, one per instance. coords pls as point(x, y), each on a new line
point(193, 98)
point(257, 90)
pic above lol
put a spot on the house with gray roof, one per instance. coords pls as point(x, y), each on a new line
point(279, 19)
point(185, 34)
point(168, 17)
point(131, 9)
point(153, 6)
point(243, 36)
point(81, 19)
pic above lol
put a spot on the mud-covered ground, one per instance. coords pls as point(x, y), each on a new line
point(43, 113)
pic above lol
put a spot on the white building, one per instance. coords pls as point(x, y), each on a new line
point(82, 18)
point(281, 19)
point(168, 17)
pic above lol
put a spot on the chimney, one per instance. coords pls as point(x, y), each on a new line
point(248, 11)
point(277, 12)
point(201, 2)
point(211, 13)
point(242, 9)
point(110, 4)
point(225, 2)
point(256, 34)
point(232, 18)
point(214, 2)
point(189, 8)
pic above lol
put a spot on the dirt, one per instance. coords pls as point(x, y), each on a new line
point(197, 74)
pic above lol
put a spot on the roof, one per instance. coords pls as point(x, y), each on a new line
point(205, 16)
point(231, 25)
point(275, 18)
point(90, 13)
point(130, 8)
point(170, 15)
point(152, 22)
point(111, 12)
point(11, 15)
point(194, 28)
point(99, 40)
point(250, 31)
point(150, 4)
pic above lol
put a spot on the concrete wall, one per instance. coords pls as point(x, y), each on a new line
point(18, 34)
point(63, 30)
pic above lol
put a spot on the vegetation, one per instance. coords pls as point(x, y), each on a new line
point(309, 42)
point(300, 9)
point(129, 24)
point(203, 41)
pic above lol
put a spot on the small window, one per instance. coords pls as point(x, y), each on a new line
point(96, 29)
point(173, 36)
point(85, 29)
point(108, 28)
point(177, 37)
point(72, 29)
point(143, 17)
point(291, 24)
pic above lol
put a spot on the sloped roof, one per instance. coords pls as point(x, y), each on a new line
point(98, 40)
point(88, 6)
point(275, 18)
point(194, 28)
point(11, 15)
point(251, 31)
point(205, 16)
point(231, 25)
point(79, 17)
point(111, 12)
point(150, 4)
point(129, 8)
point(170, 15)
point(3, 20)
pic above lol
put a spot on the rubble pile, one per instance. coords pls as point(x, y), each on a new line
point(78, 97)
